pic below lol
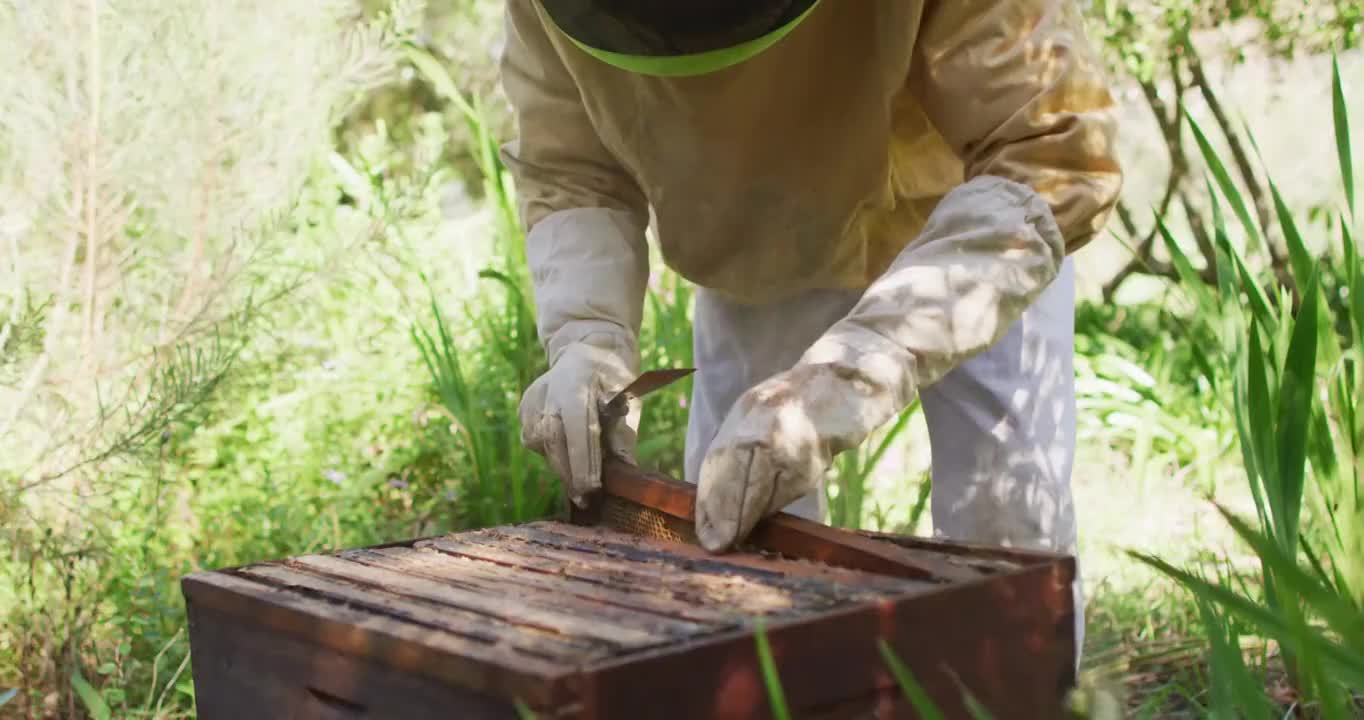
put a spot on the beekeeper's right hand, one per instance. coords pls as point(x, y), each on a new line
point(561, 419)
point(589, 268)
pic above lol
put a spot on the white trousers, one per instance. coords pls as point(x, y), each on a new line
point(1001, 425)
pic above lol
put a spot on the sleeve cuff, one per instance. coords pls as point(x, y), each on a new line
point(589, 269)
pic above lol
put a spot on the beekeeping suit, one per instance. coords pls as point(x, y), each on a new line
point(876, 200)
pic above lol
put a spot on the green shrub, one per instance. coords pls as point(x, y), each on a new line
point(1290, 370)
point(170, 213)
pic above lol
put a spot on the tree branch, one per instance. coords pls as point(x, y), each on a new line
point(1139, 265)
point(1278, 259)
point(1125, 217)
point(1174, 143)
point(1238, 151)
point(1169, 122)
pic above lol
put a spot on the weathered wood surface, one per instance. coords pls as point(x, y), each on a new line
point(590, 622)
point(548, 592)
point(791, 536)
point(854, 581)
point(1009, 639)
point(244, 670)
point(476, 659)
point(566, 594)
point(986, 558)
point(806, 584)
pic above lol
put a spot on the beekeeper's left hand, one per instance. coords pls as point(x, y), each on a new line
point(989, 248)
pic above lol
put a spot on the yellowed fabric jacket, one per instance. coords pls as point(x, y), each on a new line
point(814, 164)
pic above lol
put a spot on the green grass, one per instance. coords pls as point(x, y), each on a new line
point(1294, 396)
point(910, 687)
point(776, 695)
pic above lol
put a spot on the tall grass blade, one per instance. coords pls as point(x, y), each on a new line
point(1295, 412)
point(1204, 365)
point(90, 697)
point(1315, 671)
point(1231, 316)
point(1224, 181)
point(856, 468)
point(1342, 123)
point(1245, 432)
point(1225, 665)
point(1233, 686)
point(1342, 402)
point(1338, 611)
point(1192, 281)
point(1347, 662)
point(921, 502)
point(1284, 326)
point(1205, 303)
point(515, 342)
point(1332, 578)
point(771, 680)
point(1228, 280)
point(1298, 255)
point(974, 707)
point(1354, 281)
point(890, 436)
point(1260, 405)
point(923, 705)
point(1239, 270)
point(523, 710)
point(497, 183)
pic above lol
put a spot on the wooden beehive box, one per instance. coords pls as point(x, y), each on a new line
point(574, 621)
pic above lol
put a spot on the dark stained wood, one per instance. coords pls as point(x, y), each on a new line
point(635, 593)
point(1010, 639)
point(985, 556)
point(977, 565)
point(524, 637)
point(750, 592)
point(736, 594)
point(467, 594)
point(243, 670)
point(801, 538)
point(853, 582)
point(780, 587)
point(648, 489)
point(787, 534)
point(590, 622)
point(463, 662)
point(886, 703)
point(561, 593)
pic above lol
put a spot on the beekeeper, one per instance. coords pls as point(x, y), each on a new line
point(876, 201)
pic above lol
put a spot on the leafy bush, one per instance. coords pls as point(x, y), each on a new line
point(168, 200)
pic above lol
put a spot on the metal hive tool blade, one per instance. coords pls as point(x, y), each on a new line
point(643, 385)
point(607, 510)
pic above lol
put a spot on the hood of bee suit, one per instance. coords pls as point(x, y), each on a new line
point(676, 38)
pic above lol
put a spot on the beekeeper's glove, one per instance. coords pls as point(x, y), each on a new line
point(989, 248)
point(589, 268)
point(561, 413)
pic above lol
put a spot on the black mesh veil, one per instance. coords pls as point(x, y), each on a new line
point(670, 27)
